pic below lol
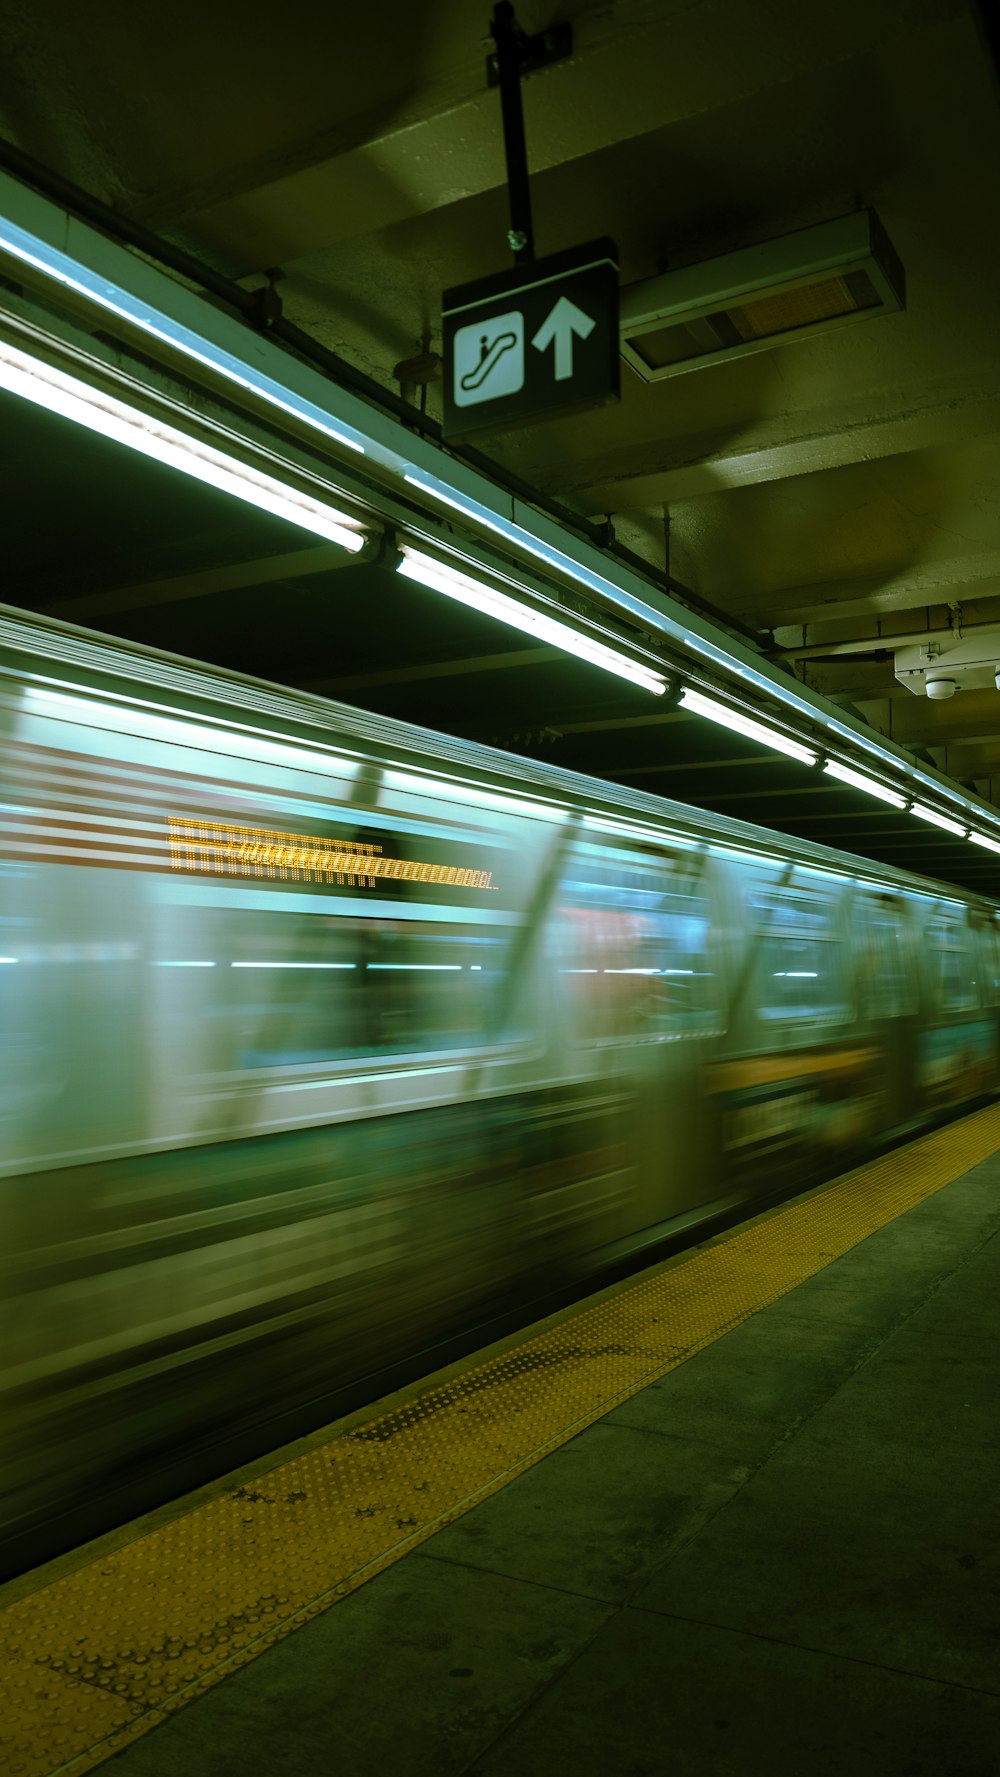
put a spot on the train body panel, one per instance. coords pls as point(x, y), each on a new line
point(325, 1040)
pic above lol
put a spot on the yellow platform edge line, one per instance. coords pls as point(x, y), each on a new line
point(98, 1656)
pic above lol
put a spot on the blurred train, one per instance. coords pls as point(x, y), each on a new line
point(326, 1040)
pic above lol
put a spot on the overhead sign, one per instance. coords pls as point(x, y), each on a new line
point(540, 339)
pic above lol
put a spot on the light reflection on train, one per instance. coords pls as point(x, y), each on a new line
point(317, 1049)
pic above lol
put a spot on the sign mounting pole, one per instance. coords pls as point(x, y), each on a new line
point(542, 338)
point(507, 37)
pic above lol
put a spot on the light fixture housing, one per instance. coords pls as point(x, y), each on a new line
point(48, 386)
point(442, 576)
point(860, 781)
point(751, 300)
point(923, 813)
point(739, 723)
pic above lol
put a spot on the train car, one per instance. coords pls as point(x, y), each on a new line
point(328, 1040)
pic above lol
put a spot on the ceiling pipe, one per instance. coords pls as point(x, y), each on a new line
point(876, 644)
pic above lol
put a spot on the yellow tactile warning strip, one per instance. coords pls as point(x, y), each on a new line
point(94, 1659)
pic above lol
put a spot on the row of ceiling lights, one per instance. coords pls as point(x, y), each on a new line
point(48, 386)
point(804, 749)
point(27, 375)
point(858, 780)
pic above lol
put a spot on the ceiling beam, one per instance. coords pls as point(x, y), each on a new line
point(939, 625)
point(796, 441)
point(954, 579)
point(636, 69)
point(432, 669)
point(293, 565)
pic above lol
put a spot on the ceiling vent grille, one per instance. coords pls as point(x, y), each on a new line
point(761, 296)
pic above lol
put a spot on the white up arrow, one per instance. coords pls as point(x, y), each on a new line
point(560, 324)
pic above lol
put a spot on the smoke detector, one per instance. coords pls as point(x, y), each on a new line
point(951, 661)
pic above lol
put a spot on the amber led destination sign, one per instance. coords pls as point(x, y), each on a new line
point(222, 848)
point(539, 339)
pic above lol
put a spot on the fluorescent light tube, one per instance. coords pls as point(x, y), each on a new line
point(440, 577)
point(72, 399)
point(937, 820)
point(735, 719)
point(552, 556)
point(867, 784)
point(981, 839)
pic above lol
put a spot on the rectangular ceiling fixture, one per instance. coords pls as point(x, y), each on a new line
point(773, 292)
point(741, 724)
point(981, 839)
point(46, 386)
point(442, 577)
point(868, 784)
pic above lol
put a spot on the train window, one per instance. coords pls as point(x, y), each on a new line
point(636, 948)
point(306, 990)
point(799, 965)
point(951, 963)
point(884, 984)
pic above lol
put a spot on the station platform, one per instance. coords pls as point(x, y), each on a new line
point(737, 1514)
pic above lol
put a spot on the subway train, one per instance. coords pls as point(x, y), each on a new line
point(328, 1041)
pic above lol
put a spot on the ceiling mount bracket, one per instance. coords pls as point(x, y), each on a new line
point(514, 56)
point(551, 45)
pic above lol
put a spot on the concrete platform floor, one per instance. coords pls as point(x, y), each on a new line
point(784, 1557)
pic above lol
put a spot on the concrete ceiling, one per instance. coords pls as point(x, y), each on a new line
point(825, 495)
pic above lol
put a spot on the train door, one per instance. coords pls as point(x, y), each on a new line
point(956, 1048)
point(684, 1025)
point(799, 1090)
point(989, 975)
point(643, 998)
point(887, 998)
